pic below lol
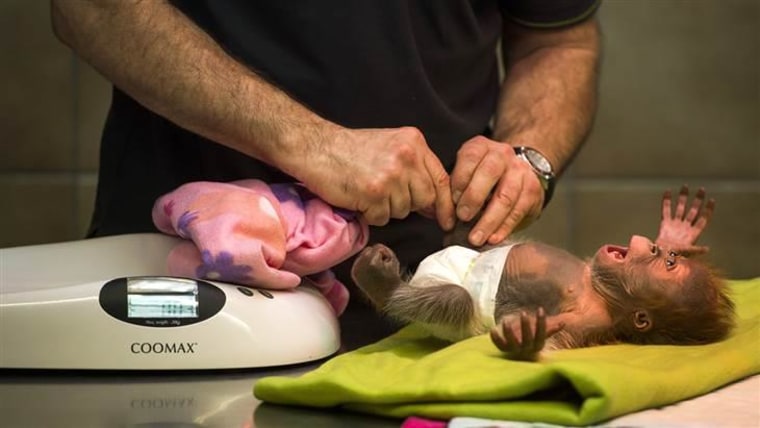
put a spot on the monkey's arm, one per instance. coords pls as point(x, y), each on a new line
point(522, 337)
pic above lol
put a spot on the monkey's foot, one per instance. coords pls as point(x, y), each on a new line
point(376, 271)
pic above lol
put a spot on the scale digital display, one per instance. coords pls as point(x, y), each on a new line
point(152, 297)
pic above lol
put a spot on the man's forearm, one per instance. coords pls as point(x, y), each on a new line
point(548, 99)
point(158, 56)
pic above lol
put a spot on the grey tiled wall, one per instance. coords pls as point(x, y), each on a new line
point(51, 109)
point(680, 103)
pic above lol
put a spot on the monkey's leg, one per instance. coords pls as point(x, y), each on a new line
point(377, 272)
point(447, 309)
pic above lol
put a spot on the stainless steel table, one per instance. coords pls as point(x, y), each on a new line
point(224, 399)
point(168, 400)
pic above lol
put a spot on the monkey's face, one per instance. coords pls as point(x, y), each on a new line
point(656, 295)
point(642, 259)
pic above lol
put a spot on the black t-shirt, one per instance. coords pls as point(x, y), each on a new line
point(383, 63)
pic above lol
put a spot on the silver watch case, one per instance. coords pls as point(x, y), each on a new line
point(541, 166)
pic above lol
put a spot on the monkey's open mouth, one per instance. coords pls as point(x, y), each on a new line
point(616, 252)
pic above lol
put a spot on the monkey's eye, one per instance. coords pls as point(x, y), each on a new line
point(670, 260)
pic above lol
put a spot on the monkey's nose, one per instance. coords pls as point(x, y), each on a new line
point(639, 242)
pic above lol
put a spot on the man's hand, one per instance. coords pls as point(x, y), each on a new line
point(682, 228)
point(547, 101)
point(524, 338)
point(381, 173)
point(489, 176)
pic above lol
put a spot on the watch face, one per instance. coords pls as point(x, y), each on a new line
point(538, 161)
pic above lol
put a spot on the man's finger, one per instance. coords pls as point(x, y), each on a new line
point(378, 214)
point(400, 204)
point(486, 178)
point(468, 159)
point(444, 204)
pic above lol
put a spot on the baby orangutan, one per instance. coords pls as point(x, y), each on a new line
point(533, 296)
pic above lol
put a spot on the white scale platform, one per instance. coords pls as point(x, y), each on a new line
point(108, 304)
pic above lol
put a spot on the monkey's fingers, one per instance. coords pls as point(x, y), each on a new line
point(539, 339)
point(705, 215)
point(511, 342)
point(696, 206)
point(667, 201)
point(683, 196)
point(498, 339)
point(526, 332)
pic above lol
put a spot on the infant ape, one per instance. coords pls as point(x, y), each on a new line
point(531, 295)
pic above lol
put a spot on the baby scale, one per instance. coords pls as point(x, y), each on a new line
point(108, 304)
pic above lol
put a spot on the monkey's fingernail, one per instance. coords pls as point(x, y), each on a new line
point(455, 195)
point(477, 237)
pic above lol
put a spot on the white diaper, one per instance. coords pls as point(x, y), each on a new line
point(477, 272)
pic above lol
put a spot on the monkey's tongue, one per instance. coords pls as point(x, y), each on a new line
point(617, 252)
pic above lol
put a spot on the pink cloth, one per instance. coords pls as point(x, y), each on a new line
point(417, 422)
point(251, 233)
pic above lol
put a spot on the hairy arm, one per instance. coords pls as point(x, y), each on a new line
point(547, 101)
point(153, 52)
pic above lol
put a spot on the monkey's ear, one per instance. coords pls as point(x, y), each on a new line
point(641, 320)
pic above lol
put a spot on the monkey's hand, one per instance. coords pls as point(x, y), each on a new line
point(524, 337)
point(680, 230)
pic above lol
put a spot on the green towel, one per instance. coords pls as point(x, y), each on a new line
point(411, 373)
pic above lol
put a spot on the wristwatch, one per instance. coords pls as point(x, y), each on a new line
point(542, 167)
